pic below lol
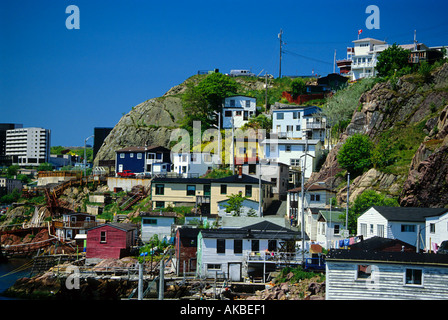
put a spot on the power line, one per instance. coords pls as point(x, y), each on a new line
point(308, 58)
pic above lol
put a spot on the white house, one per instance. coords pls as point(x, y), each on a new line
point(316, 196)
point(193, 164)
point(157, 223)
point(292, 121)
point(385, 275)
point(436, 228)
point(329, 227)
point(292, 153)
point(238, 108)
point(252, 251)
point(365, 56)
point(275, 172)
point(401, 223)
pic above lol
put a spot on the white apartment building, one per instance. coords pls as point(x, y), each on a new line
point(193, 164)
point(292, 152)
point(238, 108)
point(291, 122)
point(365, 56)
point(28, 146)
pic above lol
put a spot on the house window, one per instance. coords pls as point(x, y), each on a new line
point(364, 272)
point(191, 190)
point(255, 245)
point(295, 162)
point(289, 128)
point(228, 113)
point(160, 189)
point(252, 168)
point(298, 127)
point(295, 115)
point(413, 276)
point(122, 155)
point(371, 228)
point(248, 104)
point(103, 237)
point(232, 103)
point(150, 221)
point(238, 113)
point(336, 229)
point(280, 116)
point(288, 148)
point(131, 155)
point(213, 266)
point(248, 191)
point(139, 155)
point(380, 230)
point(237, 246)
point(220, 245)
point(364, 229)
point(160, 204)
point(272, 245)
point(407, 228)
point(223, 189)
point(432, 227)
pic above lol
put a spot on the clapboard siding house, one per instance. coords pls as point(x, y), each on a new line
point(110, 240)
point(234, 253)
point(402, 223)
point(384, 275)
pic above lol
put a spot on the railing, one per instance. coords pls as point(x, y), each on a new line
point(273, 256)
point(78, 224)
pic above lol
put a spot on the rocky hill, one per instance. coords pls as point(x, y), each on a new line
point(409, 114)
point(152, 121)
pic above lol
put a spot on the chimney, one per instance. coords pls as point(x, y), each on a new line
point(240, 172)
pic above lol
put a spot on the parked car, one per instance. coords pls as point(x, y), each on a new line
point(126, 174)
point(443, 249)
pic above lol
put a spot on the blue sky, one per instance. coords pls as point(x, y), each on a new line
point(125, 52)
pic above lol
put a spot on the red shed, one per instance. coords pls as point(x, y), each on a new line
point(110, 240)
point(185, 249)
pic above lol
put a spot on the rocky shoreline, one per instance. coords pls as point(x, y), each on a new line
point(52, 286)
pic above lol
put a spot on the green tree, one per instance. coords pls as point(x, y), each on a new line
point(364, 201)
point(298, 87)
point(235, 204)
point(356, 154)
point(45, 167)
point(258, 122)
point(201, 100)
point(393, 60)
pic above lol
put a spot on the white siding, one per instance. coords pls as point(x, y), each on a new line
point(388, 283)
point(372, 219)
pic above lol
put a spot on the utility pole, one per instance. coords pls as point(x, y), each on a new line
point(280, 64)
point(348, 197)
point(266, 93)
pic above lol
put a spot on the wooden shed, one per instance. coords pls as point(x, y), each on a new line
point(110, 240)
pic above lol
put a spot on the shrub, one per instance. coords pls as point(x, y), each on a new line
point(356, 154)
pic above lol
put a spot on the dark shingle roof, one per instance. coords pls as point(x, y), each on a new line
point(387, 257)
point(244, 178)
point(413, 214)
point(231, 179)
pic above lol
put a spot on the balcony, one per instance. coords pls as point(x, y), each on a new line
point(274, 257)
point(75, 225)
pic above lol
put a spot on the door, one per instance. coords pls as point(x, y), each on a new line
point(235, 271)
point(120, 168)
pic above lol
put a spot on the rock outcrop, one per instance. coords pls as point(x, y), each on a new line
point(399, 104)
point(149, 123)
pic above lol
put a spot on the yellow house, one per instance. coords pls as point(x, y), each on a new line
point(209, 195)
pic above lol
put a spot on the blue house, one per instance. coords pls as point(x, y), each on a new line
point(145, 160)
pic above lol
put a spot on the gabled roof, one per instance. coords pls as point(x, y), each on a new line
point(333, 216)
point(380, 244)
point(369, 257)
point(411, 214)
point(244, 178)
point(122, 226)
point(261, 230)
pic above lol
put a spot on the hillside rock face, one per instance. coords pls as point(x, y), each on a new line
point(149, 123)
point(406, 102)
point(427, 183)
